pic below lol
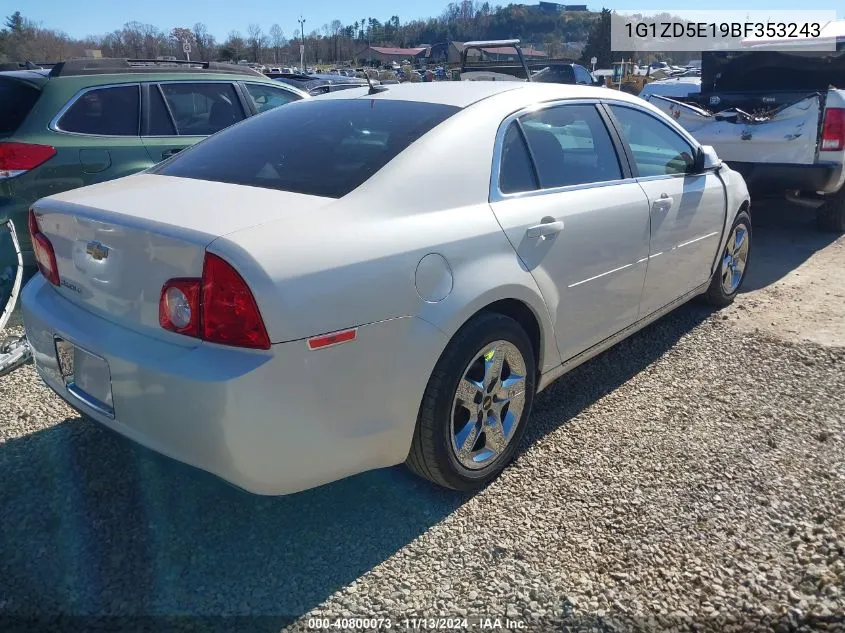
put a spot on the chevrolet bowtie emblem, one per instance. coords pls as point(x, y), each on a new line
point(97, 251)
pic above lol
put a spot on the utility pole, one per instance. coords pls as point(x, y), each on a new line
point(302, 45)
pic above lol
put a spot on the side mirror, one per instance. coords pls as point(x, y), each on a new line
point(598, 81)
point(707, 159)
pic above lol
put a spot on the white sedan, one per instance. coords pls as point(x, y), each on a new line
point(376, 276)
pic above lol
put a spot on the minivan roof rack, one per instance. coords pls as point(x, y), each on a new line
point(109, 65)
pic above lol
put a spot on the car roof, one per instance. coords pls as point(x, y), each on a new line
point(464, 93)
point(33, 77)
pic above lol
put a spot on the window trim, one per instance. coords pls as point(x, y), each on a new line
point(53, 126)
point(148, 89)
point(497, 195)
point(674, 127)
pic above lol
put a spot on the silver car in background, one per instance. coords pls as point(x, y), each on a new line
point(284, 305)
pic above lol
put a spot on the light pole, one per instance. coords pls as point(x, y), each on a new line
point(302, 46)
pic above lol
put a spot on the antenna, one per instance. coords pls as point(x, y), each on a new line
point(373, 88)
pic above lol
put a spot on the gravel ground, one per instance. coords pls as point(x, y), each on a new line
point(691, 477)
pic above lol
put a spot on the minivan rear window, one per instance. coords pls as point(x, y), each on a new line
point(320, 147)
point(16, 100)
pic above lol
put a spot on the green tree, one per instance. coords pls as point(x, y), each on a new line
point(598, 43)
point(16, 23)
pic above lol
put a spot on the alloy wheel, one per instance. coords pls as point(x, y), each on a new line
point(735, 259)
point(488, 405)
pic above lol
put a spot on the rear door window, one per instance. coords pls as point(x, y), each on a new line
point(202, 108)
point(266, 97)
point(108, 111)
point(16, 100)
point(571, 146)
point(322, 148)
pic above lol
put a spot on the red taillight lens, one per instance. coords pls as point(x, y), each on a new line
point(45, 257)
point(230, 315)
point(16, 158)
point(218, 308)
point(179, 306)
point(833, 130)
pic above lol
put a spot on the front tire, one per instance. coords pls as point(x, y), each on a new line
point(476, 404)
point(830, 216)
point(730, 273)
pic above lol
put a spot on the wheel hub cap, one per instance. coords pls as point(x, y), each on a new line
point(735, 259)
point(488, 405)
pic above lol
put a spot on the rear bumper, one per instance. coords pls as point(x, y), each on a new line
point(767, 178)
point(271, 422)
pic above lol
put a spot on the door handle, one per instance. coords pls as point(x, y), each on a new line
point(545, 229)
point(663, 203)
point(170, 152)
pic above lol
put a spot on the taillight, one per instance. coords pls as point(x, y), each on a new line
point(45, 256)
point(833, 130)
point(17, 158)
point(219, 308)
point(179, 306)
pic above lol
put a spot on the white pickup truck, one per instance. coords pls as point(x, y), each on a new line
point(779, 119)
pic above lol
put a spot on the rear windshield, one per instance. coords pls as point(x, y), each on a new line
point(321, 148)
point(16, 100)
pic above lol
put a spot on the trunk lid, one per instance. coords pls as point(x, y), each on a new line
point(118, 242)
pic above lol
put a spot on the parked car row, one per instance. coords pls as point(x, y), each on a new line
point(279, 306)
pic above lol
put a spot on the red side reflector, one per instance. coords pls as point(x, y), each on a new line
point(334, 338)
point(833, 130)
point(19, 157)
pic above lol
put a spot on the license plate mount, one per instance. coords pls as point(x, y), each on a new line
point(86, 376)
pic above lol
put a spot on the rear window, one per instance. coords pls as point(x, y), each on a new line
point(107, 111)
point(320, 148)
point(16, 100)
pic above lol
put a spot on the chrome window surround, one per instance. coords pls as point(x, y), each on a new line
point(496, 194)
point(54, 123)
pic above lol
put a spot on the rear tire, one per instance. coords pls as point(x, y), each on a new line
point(731, 271)
point(473, 415)
point(830, 216)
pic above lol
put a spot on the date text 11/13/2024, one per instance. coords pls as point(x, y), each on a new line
point(416, 624)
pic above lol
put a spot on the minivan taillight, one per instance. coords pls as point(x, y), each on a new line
point(45, 256)
point(17, 158)
point(218, 308)
point(833, 130)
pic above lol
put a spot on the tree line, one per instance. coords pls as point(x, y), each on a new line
point(559, 35)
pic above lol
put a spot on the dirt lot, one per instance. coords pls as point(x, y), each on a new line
point(693, 477)
point(796, 290)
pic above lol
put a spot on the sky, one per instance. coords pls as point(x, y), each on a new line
point(79, 18)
